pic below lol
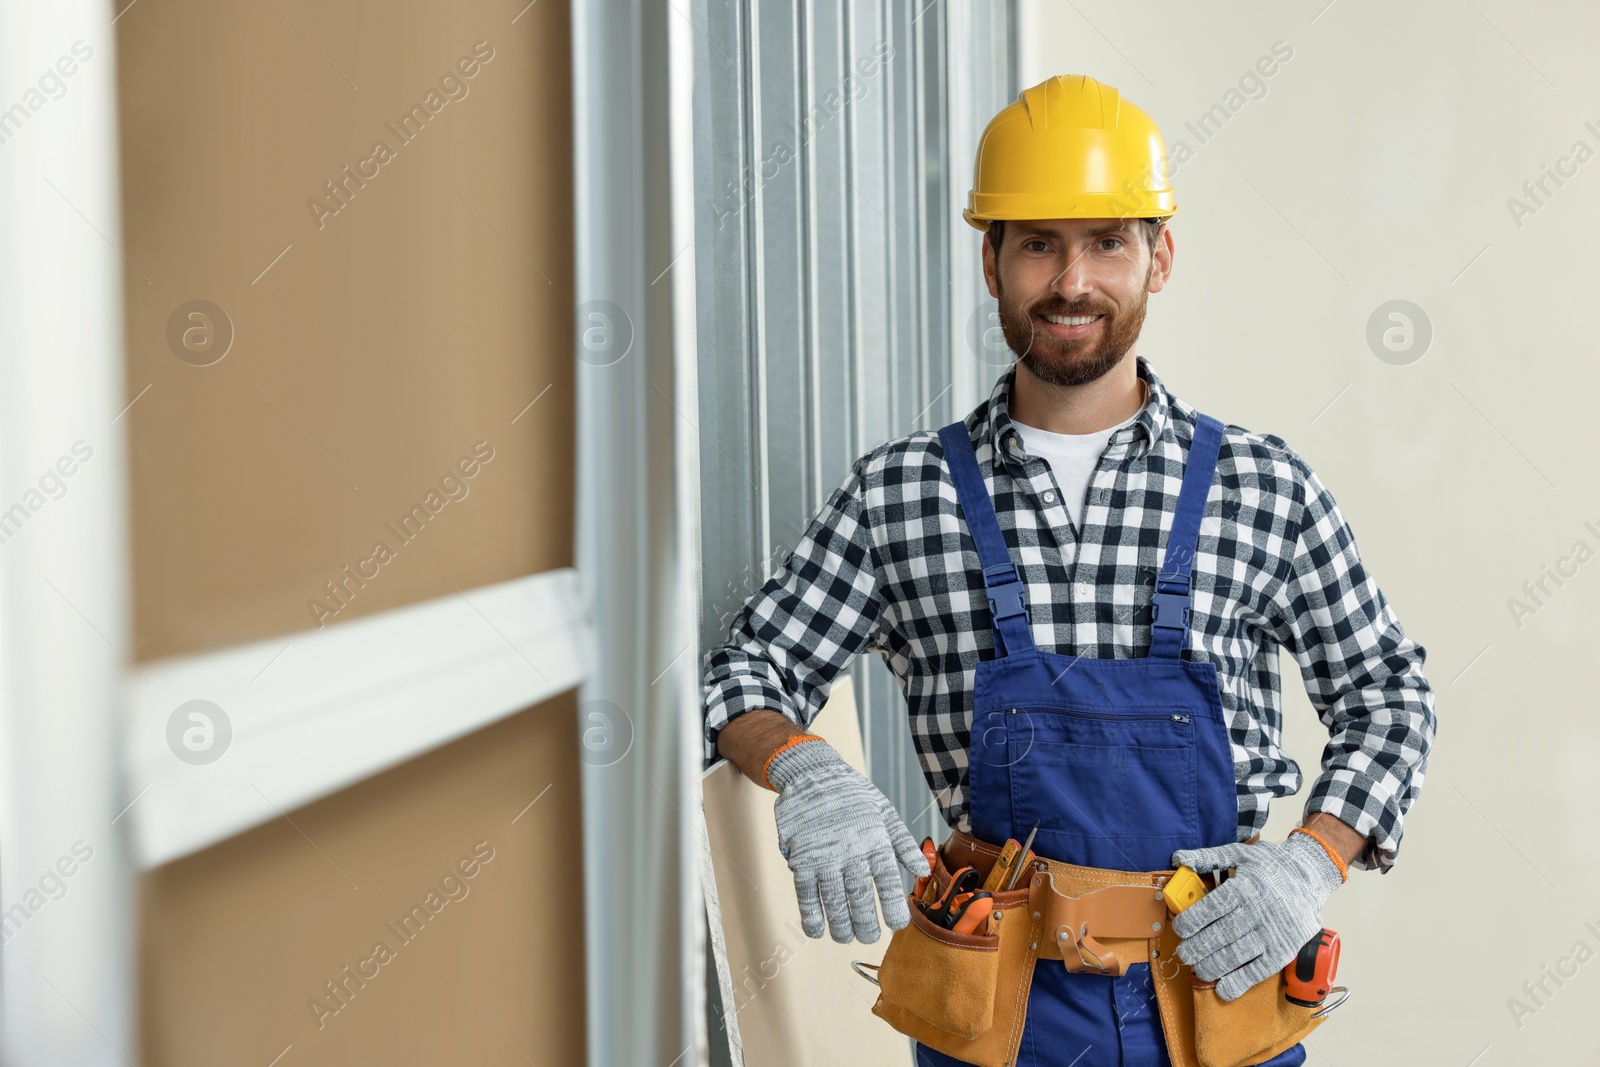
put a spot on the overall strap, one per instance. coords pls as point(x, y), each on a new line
point(1169, 622)
point(1008, 607)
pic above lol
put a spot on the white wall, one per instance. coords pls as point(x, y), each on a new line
point(1377, 166)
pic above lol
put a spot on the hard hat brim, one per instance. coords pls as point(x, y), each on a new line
point(1073, 211)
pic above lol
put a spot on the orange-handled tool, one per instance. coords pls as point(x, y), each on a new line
point(931, 851)
point(977, 910)
point(946, 910)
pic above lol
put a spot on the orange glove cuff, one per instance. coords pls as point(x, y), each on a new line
point(793, 741)
point(1338, 860)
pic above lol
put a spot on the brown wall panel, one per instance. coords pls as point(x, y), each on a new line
point(239, 940)
point(371, 348)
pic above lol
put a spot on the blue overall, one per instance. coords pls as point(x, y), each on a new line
point(1120, 762)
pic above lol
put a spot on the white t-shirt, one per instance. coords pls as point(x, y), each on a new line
point(1072, 457)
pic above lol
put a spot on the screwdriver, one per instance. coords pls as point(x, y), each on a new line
point(1022, 858)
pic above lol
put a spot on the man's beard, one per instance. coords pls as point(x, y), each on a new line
point(1065, 362)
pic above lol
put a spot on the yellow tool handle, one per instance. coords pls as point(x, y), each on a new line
point(1182, 889)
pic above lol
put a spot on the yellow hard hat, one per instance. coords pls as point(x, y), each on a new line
point(1069, 148)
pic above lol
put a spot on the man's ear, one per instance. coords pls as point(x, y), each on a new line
point(1161, 260)
point(991, 267)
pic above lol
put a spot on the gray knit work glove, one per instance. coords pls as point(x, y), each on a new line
point(1250, 927)
point(840, 836)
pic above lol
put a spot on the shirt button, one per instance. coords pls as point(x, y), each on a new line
point(1049, 496)
point(1084, 589)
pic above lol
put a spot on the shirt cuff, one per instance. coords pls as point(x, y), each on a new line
point(732, 695)
point(1335, 798)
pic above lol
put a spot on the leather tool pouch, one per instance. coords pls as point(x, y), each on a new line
point(944, 978)
point(1203, 1030)
point(1251, 1029)
point(963, 994)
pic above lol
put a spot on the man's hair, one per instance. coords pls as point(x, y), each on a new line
point(1151, 230)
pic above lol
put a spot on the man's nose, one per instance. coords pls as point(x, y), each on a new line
point(1074, 280)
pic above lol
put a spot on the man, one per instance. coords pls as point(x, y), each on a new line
point(1082, 588)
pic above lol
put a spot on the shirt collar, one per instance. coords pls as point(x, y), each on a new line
point(1141, 434)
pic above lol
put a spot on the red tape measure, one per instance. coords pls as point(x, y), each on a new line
point(1309, 976)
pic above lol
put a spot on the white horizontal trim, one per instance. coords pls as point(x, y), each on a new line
point(316, 711)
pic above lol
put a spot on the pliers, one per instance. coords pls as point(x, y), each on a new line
point(962, 905)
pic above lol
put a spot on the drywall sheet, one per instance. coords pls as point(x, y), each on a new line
point(431, 914)
point(348, 244)
point(795, 1000)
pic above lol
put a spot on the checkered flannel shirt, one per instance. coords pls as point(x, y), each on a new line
point(888, 566)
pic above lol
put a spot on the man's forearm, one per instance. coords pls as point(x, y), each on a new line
point(751, 737)
point(1338, 833)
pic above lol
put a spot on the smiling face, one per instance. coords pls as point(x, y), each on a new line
point(1072, 292)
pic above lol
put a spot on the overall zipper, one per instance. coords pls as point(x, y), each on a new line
point(1169, 716)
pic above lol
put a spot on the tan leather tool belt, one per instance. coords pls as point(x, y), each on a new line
point(967, 994)
point(1090, 918)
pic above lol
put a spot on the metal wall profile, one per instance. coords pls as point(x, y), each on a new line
point(836, 283)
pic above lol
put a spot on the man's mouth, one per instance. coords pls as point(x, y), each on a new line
point(1068, 326)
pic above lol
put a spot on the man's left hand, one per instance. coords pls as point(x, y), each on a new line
point(1249, 928)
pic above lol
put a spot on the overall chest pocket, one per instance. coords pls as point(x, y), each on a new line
point(1111, 789)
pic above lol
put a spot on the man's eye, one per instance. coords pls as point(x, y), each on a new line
point(1037, 246)
point(1116, 241)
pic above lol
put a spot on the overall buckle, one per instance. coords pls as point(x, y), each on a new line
point(1169, 607)
point(1004, 588)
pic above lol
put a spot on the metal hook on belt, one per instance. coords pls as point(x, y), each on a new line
point(1343, 991)
point(857, 965)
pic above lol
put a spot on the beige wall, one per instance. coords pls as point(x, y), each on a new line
point(1377, 164)
point(376, 354)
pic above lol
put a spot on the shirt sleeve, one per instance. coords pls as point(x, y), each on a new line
point(804, 625)
point(1363, 675)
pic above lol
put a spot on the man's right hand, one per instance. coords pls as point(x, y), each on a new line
point(841, 836)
